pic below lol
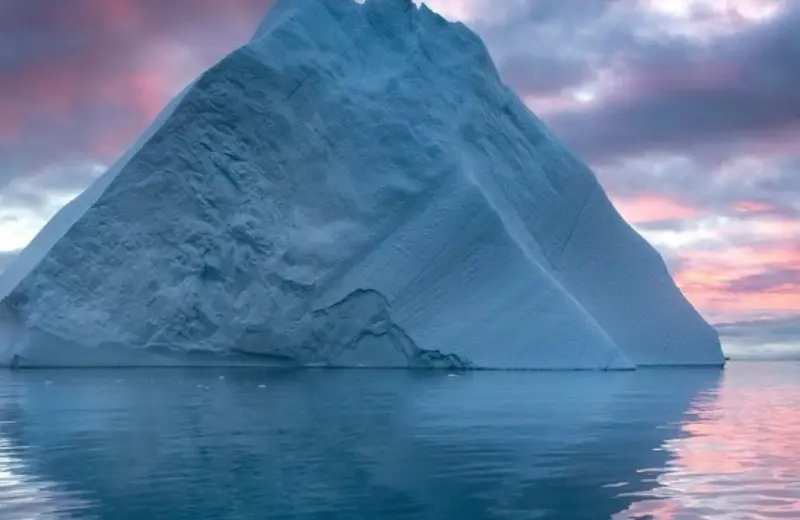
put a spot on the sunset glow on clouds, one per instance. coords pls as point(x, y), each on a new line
point(688, 110)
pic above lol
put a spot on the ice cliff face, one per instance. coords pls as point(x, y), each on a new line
point(355, 186)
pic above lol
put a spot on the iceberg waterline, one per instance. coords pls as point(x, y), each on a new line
point(354, 187)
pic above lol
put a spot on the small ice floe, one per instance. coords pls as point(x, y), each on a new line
point(262, 386)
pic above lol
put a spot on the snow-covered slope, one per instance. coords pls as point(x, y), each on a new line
point(353, 187)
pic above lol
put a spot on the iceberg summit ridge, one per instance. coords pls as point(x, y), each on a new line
point(355, 186)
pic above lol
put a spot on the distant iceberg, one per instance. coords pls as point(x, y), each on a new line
point(353, 187)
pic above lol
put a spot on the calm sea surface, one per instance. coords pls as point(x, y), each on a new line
point(255, 444)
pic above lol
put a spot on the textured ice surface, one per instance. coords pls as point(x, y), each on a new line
point(355, 186)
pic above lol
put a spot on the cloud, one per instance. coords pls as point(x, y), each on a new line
point(745, 281)
point(29, 202)
point(647, 209)
point(785, 279)
point(770, 338)
point(673, 93)
point(536, 45)
point(618, 79)
point(676, 190)
point(81, 79)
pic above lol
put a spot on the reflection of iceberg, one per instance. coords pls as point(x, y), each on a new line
point(24, 495)
point(482, 445)
point(355, 186)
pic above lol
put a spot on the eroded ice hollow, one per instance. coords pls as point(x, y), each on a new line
point(353, 187)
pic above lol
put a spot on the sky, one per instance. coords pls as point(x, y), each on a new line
point(687, 110)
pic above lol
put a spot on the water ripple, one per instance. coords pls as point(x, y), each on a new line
point(255, 444)
point(738, 452)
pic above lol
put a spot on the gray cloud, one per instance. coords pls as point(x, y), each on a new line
point(770, 280)
point(717, 96)
point(777, 330)
point(668, 224)
point(94, 135)
point(777, 338)
point(680, 95)
point(523, 73)
point(542, 47)
point(34, 192)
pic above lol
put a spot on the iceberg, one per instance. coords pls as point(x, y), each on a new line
point(355, 186)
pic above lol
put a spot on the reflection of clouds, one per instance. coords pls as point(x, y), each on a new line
point(738, 455)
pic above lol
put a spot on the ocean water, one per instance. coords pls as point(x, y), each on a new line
point(351, 444)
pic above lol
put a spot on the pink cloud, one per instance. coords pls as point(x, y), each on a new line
point(111, 66)
point(652, 208)
point(750, 206)
point(709, 279)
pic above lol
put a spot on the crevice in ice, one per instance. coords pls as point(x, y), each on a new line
point(574, 227)
point(667, 346)
point(299, 85)
point(412, 284)
point(611, 358)
point(392, 226)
